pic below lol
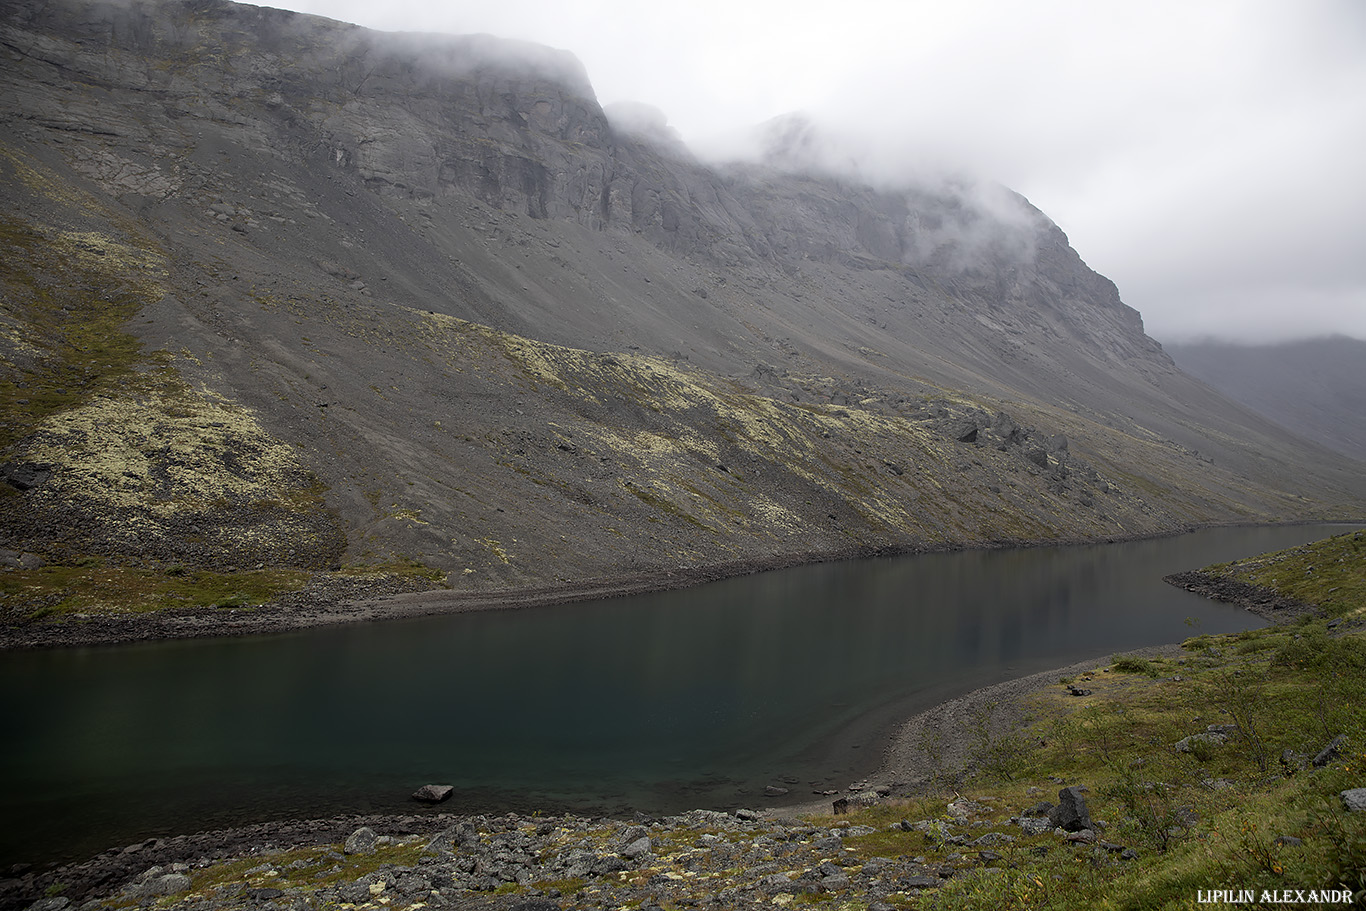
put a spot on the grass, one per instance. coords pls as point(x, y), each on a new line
point(97, 586)
point(1215, 818)
point(396, 566)
point(73, 293)
point(92, 585)
point(1132, 665)
point(1319, 574)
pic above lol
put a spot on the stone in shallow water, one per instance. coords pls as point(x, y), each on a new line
point(433, 793)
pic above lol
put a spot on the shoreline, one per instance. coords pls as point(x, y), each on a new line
point(338, 600)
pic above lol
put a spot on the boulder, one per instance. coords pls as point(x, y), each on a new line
point(1354, 800)
point(1070, 813)
point(1213, 738)
point(361, 841)
point(1035, 825)
point(638, 848)
point(449, 840)
point(433, 793)
point(413, 884)
point(25, 475)
point(167, 884)
point(55, 903)
point(1082, 837)
point(1331, 752)
point(776, 882)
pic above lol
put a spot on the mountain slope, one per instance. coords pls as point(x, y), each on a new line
point(415, 296)
point(1315, 387)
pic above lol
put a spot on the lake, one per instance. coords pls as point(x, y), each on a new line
point(660, 703)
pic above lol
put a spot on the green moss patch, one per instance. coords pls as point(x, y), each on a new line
point(91, 586)
point(67, 298)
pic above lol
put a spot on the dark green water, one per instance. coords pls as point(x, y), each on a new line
point(662, 702)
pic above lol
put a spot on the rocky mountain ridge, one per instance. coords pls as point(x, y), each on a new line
point(1314, 387)
point(410, 296)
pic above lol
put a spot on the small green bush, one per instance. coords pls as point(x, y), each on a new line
point(1132, 665)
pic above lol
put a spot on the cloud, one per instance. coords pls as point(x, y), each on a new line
point(1203, 155)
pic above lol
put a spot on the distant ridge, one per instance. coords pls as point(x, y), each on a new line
point(1315, 387)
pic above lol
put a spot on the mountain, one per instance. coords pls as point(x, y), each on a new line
point(1314, 387)
point(285, 293)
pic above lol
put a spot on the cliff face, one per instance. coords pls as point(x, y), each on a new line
point(458, 316)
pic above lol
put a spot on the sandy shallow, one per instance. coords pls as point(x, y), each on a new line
point(909, 769)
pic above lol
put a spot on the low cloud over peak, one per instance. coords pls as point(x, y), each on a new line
point(1203, 156)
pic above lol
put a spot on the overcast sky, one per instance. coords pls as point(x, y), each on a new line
point(1205, 154)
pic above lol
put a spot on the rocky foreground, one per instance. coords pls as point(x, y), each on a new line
point(699, 859)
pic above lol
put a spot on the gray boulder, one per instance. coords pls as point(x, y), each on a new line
point(1213, 738)
point(777, 882)
point(25, 475)
point(1070, 813)
point(1331, 752)
point(167, 884)
point(638, 848)
point(433, 793)
point(56, 903)
point(919, 882)
point(413, 884)
point(361, 841)
point(1354, 800)
point(452, 839)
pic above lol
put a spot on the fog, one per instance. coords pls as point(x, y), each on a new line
point(1204, 156)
